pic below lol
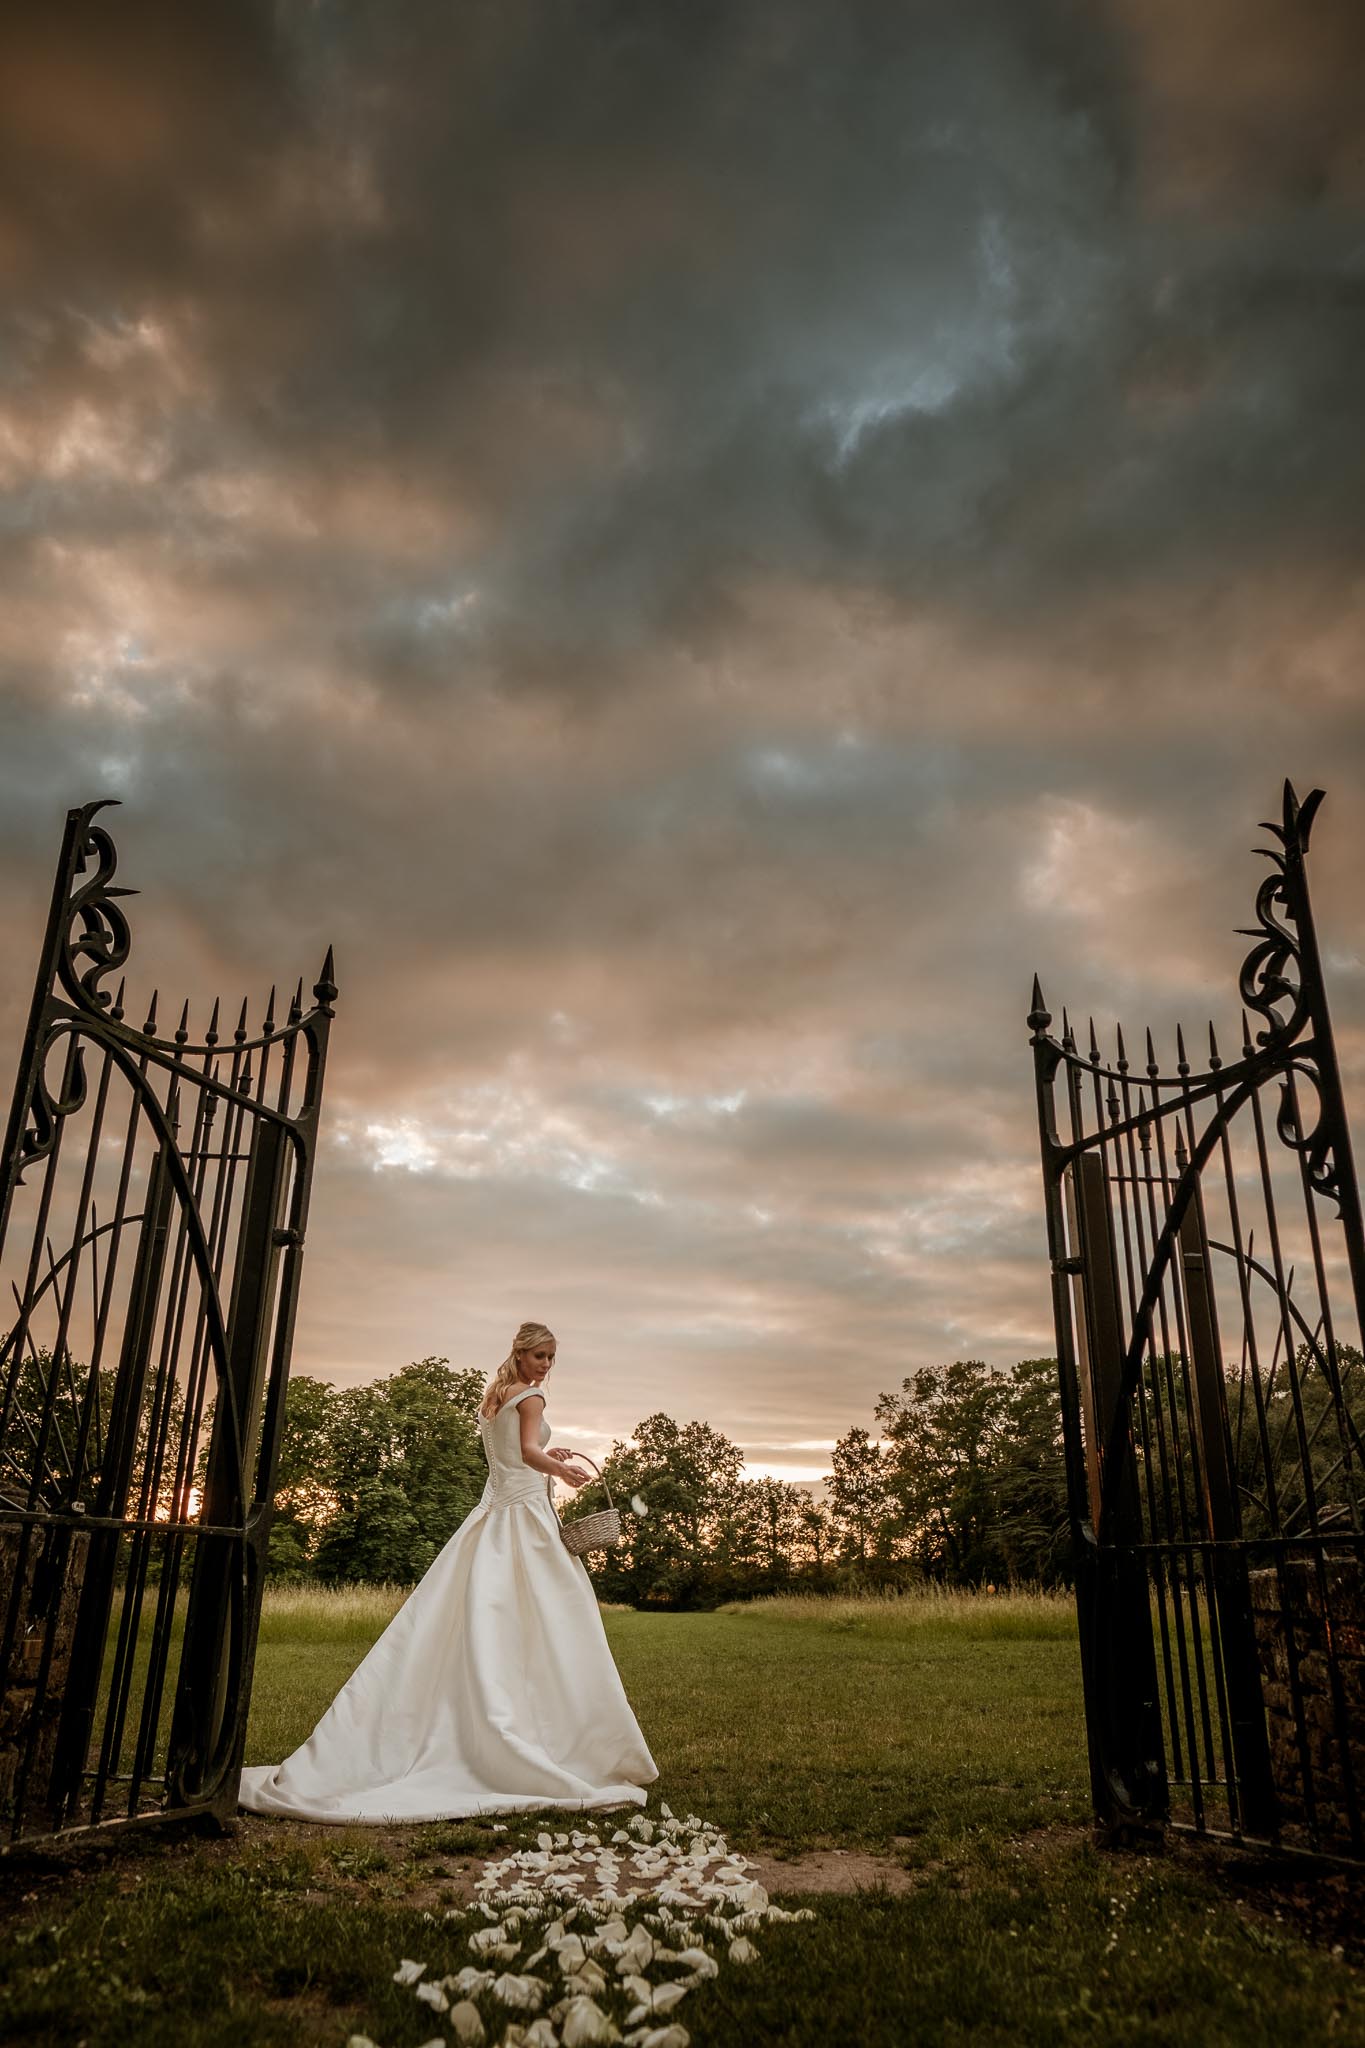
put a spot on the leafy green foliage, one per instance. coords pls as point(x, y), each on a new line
point(967, 1488)
point(373, 1481)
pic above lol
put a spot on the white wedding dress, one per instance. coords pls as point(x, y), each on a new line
point(492, 1690)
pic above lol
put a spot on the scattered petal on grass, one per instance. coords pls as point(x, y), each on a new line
point(589, 1977)
point(637, 1951)
point(523, 1994)
point(660, 1998)
point(467, 1980)
point(360, 2041)
point(533, 1894)
point(584, 2025)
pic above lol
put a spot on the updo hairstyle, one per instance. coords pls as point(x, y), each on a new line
point(506, 1376)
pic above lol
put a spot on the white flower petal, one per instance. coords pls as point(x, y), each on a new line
point(743, 1951)
point(467, 1980)
point(408, 1972)
point(432, 1995)
point(585, 2025)
point(467, 2024)
point(523, 1994)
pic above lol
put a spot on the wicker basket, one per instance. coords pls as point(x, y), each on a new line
point(601, 1531)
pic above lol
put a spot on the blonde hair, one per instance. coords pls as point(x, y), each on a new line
point(506, 1376)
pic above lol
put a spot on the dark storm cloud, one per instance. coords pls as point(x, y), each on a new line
point(698, 545)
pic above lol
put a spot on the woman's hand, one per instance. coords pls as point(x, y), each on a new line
point(574, 1475)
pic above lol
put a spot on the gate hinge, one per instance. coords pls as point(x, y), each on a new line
point(288, 1236)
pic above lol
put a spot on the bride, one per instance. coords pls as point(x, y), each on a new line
point(493, 1689)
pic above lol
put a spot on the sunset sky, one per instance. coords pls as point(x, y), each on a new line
point(698, 545)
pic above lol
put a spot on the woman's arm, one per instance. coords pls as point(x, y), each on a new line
point(532, 1454)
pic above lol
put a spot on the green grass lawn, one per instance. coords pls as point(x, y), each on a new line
point(945, 1733)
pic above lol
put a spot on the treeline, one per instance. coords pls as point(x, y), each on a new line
point(963, 1485)
point(966, 1486)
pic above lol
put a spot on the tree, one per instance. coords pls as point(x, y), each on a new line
point(404, 1465)
point(861, 1504)
point(304, 1500)
point(944, 1432)
point(816, 1540)
point(685, 1473)
point(1031, 1500)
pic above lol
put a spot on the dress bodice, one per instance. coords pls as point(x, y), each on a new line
point(509, 1477)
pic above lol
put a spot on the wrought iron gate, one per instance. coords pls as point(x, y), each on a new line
point(1208, 1281)
point(153, 1200)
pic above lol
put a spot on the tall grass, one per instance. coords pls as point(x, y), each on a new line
point(1022, 1610)
point(318, 1614)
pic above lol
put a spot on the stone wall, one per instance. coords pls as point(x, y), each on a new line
point(21, 1708)
point(1289, 1606)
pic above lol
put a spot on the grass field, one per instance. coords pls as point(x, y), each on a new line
point(942, 1734)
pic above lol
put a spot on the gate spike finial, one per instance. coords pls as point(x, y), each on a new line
point(1068, 1041)
point(269, 1012)
point(1039, 1016)
point(1182, 1065)
point(211, 1035)
point(150, 1026)
point(1215, 1057)
point(1152, 1068)
point(296, 1005)
point(117, 1012)
point(1145, 1128)
point(182, 1029)
point(1112, 1103)
point(1123, 1050)
point(1094, 1045)
point(240, 1032)
point(325, 989)
point(1247, 1047)
point(1182, 1157)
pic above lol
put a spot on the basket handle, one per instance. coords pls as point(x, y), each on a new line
point(582, 1458)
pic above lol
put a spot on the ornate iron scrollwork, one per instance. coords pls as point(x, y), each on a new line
point(46, 1110)
point(155, 1271)
point(1214, 1431)
point(104, 938)
point(1265, 986)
